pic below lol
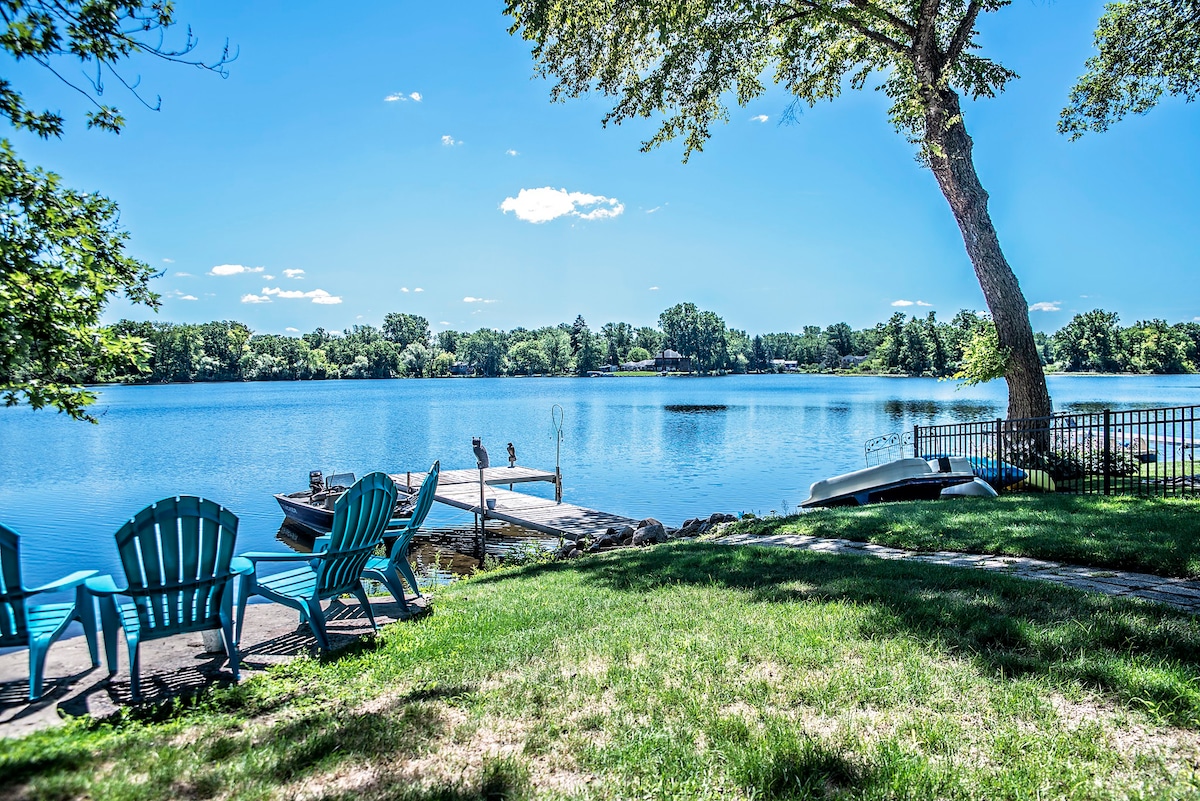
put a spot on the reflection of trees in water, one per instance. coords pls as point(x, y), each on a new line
point(1098, 407)
point(691, 438)
point(898, 410)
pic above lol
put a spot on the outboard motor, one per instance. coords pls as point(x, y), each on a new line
point(316, 481)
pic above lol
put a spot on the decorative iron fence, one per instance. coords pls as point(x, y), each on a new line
point(1139, 452)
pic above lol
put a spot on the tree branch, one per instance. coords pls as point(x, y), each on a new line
point(962, 34)
point(862, 28)
point(884, 15)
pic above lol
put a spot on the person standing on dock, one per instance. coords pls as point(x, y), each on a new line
point(512, 455)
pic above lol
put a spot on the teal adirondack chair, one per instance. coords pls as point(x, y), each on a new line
point(359, 520)
point(37, 626)
point(179, 570)
point(390, 569)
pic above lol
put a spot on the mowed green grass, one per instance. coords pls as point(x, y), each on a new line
point(1148, 535)
point(689, 670)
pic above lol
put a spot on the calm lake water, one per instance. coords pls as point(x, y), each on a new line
point(68, 486)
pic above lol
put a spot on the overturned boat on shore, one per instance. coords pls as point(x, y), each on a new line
point(901, 480)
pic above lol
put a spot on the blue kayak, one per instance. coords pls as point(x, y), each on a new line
point(998, 474)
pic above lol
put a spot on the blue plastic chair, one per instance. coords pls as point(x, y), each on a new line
point(179, 570)
point(359, 519)
point(391, 569)
point(37, 626)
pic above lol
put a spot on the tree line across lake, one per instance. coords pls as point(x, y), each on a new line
point(404, 346)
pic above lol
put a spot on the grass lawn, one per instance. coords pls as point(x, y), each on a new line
point(1147, 535)
point(688, 670)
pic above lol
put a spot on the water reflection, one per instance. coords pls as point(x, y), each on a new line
point(898, 409)
point(441, 555)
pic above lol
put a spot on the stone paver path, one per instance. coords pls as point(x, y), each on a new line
point(1180, 593)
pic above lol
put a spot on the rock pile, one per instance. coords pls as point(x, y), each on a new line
point(647, 532)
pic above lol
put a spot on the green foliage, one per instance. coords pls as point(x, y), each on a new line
point(1147, 48)
point(903, 345)
point(405, 329)
point(698, 334)
point(1091, 342)
point(983, 359)
point(484, 352)
point(683, 60)
point(61, 260)
point(94, 34)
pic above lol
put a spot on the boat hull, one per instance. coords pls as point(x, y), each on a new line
point(303, 515)
point(901, 480)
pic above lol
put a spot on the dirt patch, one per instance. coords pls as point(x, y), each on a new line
point(456, 758)
point(1178, 749)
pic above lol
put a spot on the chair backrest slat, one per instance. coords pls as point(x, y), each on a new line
point(13, 623)
point(359, 519)
point(419, 513)
point(176, 556)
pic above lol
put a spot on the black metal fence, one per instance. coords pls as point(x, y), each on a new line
point(1140, 452)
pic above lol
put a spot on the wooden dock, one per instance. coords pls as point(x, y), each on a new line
point(460, 489)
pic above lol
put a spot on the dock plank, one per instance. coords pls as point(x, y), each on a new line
point(460, 489)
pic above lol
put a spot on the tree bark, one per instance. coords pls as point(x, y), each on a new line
point(949, 151)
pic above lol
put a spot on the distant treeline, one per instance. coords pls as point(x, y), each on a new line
point(405, 347)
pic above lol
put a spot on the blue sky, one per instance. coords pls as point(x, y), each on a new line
point(300, 162)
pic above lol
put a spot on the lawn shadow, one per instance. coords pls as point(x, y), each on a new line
point(1012, 627)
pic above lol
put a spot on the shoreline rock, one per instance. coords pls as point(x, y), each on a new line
point(647, 532)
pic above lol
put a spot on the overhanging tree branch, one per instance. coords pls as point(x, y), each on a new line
point(962, 33)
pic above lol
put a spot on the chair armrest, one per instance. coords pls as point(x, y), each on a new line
point(263, 556)
point(65, 583)
point(240, 565)
point(102, 585)
point(398, 523)
point(322, 543)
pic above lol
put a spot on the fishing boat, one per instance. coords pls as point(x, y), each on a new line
point(900, 480)
point(312, 509)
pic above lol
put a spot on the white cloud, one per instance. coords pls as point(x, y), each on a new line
point(651, 211)
point(182, 275)
point(759, 118)
point(168, 261)
point(255, 299)
point(450, 141)
point(443, 322)
point(902, 303)
point(1047, 306)
point(293, 273)
point(400, 96)
point(188, 297)
point(233, 269)
point(511, 152)
point(545, 204)
point(403, 289)
point(923, 303)
point(292, 330)
point(418, 289)
point(653, 289)
point(268, 278)
point(316, 295)
point(469, 299)
point(415, 97)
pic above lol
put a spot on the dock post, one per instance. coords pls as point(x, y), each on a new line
point(557, 484)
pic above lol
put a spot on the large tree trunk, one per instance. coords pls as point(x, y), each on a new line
point(949, 152)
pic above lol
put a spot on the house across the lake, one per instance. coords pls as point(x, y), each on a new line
point(787, 365)
point(673, 361)
point(642, 366)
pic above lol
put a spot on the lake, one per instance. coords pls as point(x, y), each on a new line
point(68, 486)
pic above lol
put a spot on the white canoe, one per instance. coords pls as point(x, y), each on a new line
point(901, 480)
